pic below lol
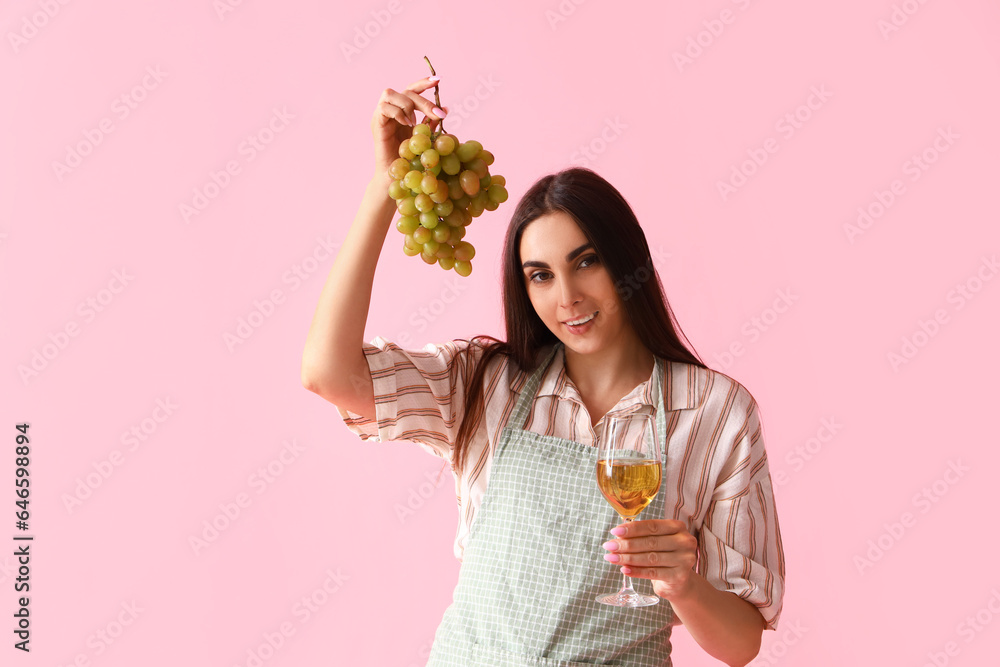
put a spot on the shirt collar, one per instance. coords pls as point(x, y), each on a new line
point(685, 385)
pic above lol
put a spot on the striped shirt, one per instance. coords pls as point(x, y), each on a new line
point(716, 474)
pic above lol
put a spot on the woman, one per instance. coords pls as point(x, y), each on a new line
point(589, 333)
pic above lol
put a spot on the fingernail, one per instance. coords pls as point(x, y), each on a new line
point(618, 532)
point(440, 113)
point(610, 545)
point(434, 78)
point(625, 569)
point(612, 558)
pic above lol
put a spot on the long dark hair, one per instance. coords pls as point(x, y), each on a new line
point(610, 225)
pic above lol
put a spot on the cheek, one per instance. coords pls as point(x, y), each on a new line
point(540, 303)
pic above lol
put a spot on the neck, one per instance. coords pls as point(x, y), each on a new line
point(621, 368)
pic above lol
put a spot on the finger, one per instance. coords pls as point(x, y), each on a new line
point(425, 106)
point(387, 110)
point(665, 574)
point(675, 542)
point(389, 99)
point(423, 84)
point(649, 527)
point(654, 559)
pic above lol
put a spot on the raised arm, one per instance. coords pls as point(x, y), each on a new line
point(333, 361)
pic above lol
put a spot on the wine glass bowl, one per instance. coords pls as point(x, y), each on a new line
point(629, 471)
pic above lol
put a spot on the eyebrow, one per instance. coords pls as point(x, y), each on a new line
point(569, 257)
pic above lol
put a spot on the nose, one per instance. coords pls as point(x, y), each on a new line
point(569, 293)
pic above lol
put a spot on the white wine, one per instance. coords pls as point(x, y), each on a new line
point(628, 485)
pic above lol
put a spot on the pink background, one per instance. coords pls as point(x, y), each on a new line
point(878, 574)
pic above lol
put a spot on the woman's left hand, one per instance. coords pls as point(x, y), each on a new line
point(661, 550)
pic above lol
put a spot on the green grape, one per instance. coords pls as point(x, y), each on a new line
point(422, 235)
point(429, 158)
point(416, 164)
point(479, 167)
point(397, 190)
point(398, 168)
point(444, 208)
point(455, 190)
point(476, 208)
point(436, 169)
point(455, 219)
point(423, 203)
point(407, 206)
point(467, 151)
point(451, 164)
point(447, 263)
point(497, 193)
point(428, 219)
point(445, 250)
point(440, 195)
point(412, 179)
point(404, 150)
point(491, 205)
point(463, 251)
point(407, 224)
point(463, 268)
point(445, 144)
point(485, 182)
point(431, 247)
point(486, 157)
point(409, 242)
point(410, 252)
point(469, 182)
point(462, 202)
point(441, 233)
point(429, 184)
point(430, 259)
point(419, 143)
point(457, 234)
point(422, 128)
point(497, 179)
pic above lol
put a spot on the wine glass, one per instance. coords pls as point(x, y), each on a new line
point(629, 469)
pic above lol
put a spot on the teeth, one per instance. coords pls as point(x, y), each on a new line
point(582, 321)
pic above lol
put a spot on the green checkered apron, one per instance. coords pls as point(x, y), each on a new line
point(534, 562)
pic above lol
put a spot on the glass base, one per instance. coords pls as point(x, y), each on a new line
point(628, 599)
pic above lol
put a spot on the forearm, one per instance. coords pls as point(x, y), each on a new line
point(728, 627)
point(336, 335)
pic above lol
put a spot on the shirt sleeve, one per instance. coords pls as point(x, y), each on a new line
point(739, 542)
point(419, 395)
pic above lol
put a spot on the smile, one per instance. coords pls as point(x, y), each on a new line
point(582, 320)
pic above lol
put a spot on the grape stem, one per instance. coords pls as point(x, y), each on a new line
point(437, 98)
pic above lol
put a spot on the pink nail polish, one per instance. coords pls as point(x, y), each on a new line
point(434, 78)
point(618, 532)
point(625, 569)
point(440, 113)
point(612, 558)
point(610, 545)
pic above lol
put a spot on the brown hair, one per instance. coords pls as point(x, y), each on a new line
point(611, 226)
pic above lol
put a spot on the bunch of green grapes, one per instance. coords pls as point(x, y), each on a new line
point(440, 185)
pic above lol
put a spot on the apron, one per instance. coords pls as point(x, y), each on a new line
point(534, 563)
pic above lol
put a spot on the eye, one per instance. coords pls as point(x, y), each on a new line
point(589, 260)
point(533, 278)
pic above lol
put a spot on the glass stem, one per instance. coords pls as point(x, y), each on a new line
point(627, 581)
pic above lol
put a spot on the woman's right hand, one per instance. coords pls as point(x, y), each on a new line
point(394, 119)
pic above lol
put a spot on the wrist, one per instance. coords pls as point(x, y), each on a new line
point(693, 588)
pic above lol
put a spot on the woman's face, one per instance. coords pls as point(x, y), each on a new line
point(566, 282)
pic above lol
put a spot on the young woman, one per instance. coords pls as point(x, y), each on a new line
point(589, 334)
